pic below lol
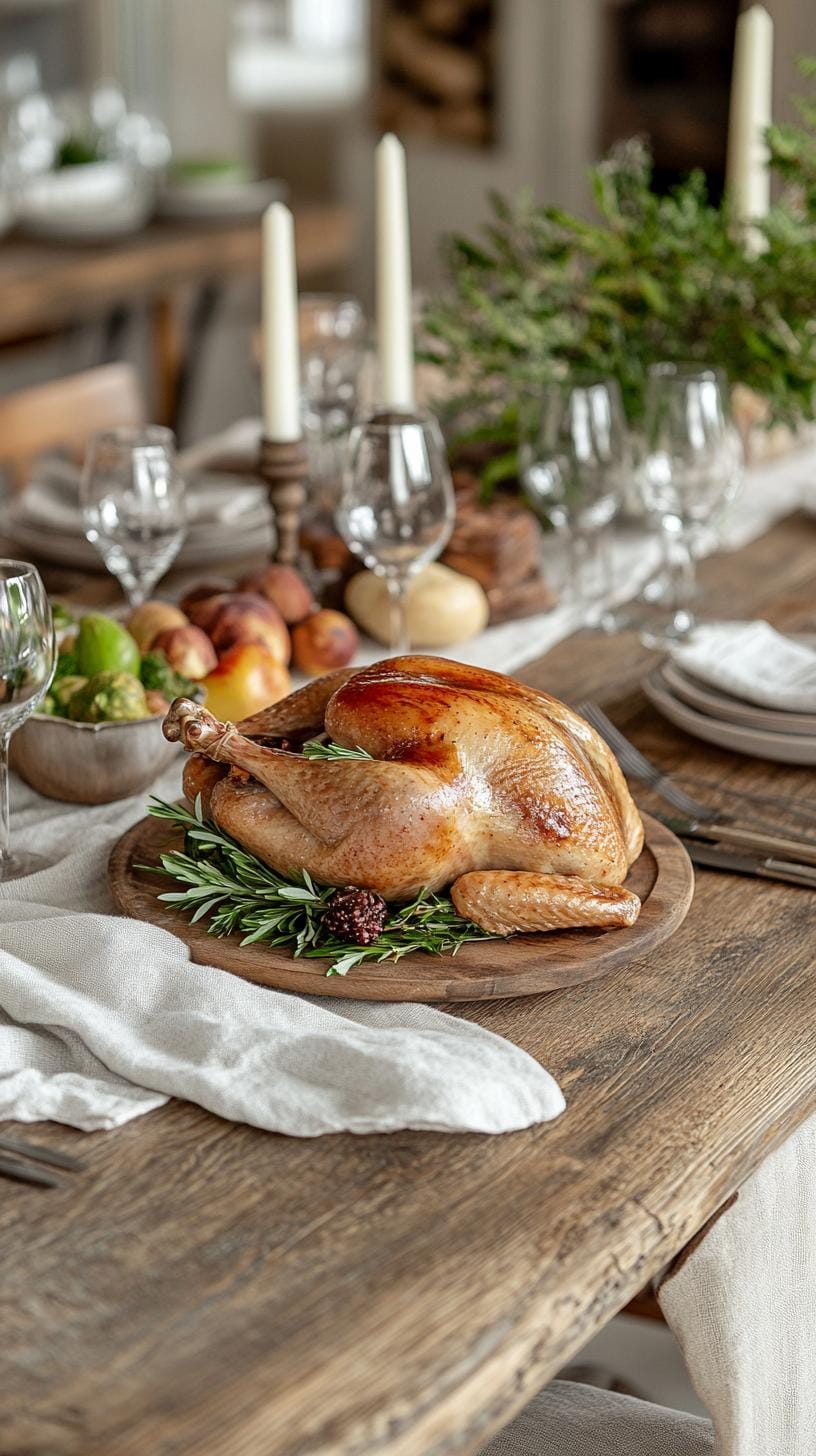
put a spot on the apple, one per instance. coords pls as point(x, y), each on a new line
point(151, 618)
point(285, 588)
point(247, 617)
point(323, 642)
point(188, 650)
point(202, 592)
point(248, 677)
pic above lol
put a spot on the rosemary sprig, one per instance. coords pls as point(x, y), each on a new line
point(242, 895)
point(316, 748)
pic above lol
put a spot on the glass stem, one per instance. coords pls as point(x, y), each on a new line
point(682, 570)
point(398, 614)
point(4, 802)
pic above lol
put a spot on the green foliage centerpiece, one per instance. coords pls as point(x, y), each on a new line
point(543, 294)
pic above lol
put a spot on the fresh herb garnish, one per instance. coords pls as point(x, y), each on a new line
point(240, 894)
point(316, 748)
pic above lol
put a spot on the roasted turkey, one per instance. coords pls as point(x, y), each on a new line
point(475, 781)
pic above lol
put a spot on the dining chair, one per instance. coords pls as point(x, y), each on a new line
point(63, 414)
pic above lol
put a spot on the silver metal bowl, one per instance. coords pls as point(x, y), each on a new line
point(90, 763)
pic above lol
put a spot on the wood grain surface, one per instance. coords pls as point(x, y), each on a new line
point(524, 965)
point(46, 285)
point(208, 1288)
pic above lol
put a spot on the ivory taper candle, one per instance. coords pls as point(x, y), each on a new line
point(748, 174)
point(394, 322)
point(281, 353)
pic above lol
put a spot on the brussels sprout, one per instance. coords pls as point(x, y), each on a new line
point(63, 689)
point(158, 676)
point(47, 706)
point(109, 697)
point(67, 664)
point(61, 617)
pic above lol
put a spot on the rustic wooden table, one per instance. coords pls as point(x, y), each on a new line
point(207, 1288)
point(48, 286)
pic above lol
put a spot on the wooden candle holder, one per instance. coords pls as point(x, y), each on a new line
point(284, 465)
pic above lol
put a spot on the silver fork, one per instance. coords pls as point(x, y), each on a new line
point(637, 766)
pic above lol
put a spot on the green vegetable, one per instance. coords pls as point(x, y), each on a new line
point(67, 663)
point(47, 707)
point(63, 689)
point(104, 645)
point(76, 151)
point(62, 618)
point(243, 894)
point(109, 697)
point(158, 676)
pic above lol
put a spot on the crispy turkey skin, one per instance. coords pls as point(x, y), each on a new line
point(475, 781)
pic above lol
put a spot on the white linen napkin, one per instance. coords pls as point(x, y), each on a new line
point(103, 1018)
point(752, 661)
point(570, 1419)
point(743, 1307)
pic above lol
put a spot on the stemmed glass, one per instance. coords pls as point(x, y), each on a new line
point(332, 343)
point(396, 507)
point(27, 659)
point(575, 463)
point(691, 470)
point(132, 499)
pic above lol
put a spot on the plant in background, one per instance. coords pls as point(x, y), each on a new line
point(543, 294)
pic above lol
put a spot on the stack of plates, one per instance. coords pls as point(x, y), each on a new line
point(715, 716)
point(233, 522)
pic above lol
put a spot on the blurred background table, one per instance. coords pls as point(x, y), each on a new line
point(177, 269)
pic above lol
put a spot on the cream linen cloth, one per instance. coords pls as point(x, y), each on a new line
point(568, 1419)
point(103, 1018)
point(742, 1305)
point(752, 661)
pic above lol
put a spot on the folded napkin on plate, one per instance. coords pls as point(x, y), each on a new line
point(103, 1018)
point(234, 449)
point(51, 498)
point(752, 661)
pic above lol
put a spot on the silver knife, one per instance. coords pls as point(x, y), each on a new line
point(712, 857)
point(801, 851)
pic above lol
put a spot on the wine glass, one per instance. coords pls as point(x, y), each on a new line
point(132, 499)
point(396, 506)
point(692, 469)
point(27, 660)
point(576, 461)
point(332, 342)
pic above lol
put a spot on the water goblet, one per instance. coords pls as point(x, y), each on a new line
point(132, 499)
point(27, 660)
point(396, 507)
point(692, 468)
point(575, 464)
point(332, 344)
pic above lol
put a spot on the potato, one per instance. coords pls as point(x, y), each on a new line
point(444, 607)
point(151, 618)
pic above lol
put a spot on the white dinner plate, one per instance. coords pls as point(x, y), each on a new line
point(793, 748)
point(208, 549)
point(727, 709)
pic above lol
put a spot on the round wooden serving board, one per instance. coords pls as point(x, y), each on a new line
point(520, 966)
